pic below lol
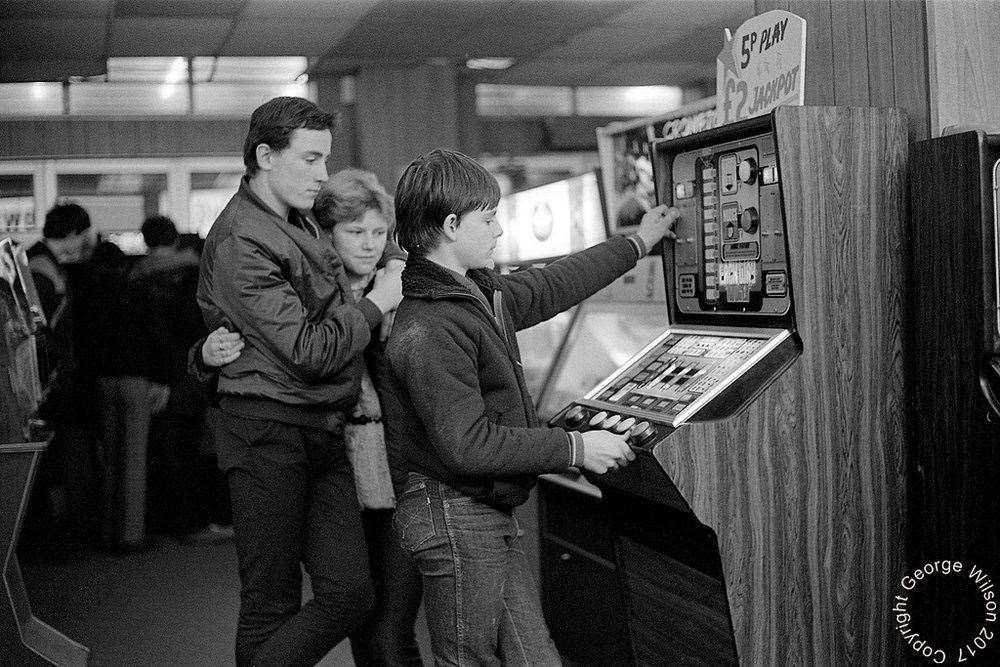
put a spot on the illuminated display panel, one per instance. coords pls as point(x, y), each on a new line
point(551, 220)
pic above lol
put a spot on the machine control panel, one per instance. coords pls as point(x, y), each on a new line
point(671, 381)
point(730, 256)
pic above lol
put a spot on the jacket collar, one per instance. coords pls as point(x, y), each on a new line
point(308, 225)
point(424, 279)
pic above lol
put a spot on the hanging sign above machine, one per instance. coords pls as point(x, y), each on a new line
point(761, 67)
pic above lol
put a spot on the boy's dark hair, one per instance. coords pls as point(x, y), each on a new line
point(159, 230)
point(433, 186)
point(64, 220)
point(273, 122)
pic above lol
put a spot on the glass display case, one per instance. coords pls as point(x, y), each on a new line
point(602, 336)
point(539, 347)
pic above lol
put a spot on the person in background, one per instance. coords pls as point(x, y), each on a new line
point(180, 477)
point(61, 513)
point(269, 273)
point(464, 440)
point(357, 213)
point(66, 239)
point(112, 351)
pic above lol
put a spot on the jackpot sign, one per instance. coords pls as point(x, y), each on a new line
point(761, 67)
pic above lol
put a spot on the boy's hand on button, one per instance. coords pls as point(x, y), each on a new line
point(657, 223)
point(603, 451)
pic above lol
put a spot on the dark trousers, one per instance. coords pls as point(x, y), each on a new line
point(293, 502)
point(387, 637)
point(481, 602)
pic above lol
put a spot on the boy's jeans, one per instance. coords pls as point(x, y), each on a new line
point(481, 603)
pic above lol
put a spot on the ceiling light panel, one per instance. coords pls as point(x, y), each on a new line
point(239, 68)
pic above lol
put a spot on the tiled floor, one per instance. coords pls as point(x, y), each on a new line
point(172, 605)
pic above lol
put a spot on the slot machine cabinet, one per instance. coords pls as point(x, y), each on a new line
point(954, 460)
point(763, 519)
point(24, 639)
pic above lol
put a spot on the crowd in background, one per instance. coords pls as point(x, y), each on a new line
point(130, 456)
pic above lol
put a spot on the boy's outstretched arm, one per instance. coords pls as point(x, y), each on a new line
point(437, 368)
point(535, 295)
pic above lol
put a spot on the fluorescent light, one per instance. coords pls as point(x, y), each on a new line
point(489, 63)
point(177, 71)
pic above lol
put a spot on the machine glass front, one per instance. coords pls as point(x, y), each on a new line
point(605, 335)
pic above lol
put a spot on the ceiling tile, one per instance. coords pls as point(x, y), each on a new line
point(11, 9)
point(349, 10)
point(49, 70)
point(167, 36)
point(282, 37)
point(178, 8)
point(684, 15)
point(52, 39)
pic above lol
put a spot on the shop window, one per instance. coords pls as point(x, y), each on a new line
point(210, 192)
point(17, 205)
point(506, 100)
point(116, 202)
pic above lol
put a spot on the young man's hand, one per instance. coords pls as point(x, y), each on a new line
point(657, 223)
point(603, 451)
point(388, 289)
point(221, 347)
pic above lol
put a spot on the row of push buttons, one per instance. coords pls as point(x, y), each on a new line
point(636, 432)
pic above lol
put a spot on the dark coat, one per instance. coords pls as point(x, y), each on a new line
point(284, 288)
point(163, 288)
point(452, 387)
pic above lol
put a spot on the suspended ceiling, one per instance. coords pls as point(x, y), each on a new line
point(553, 42)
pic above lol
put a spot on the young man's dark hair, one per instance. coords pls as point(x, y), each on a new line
point(431, 187)
point(65, 220)
point(273, 122)
point(158, 231)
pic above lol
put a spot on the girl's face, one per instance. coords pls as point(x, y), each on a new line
point(360, 242)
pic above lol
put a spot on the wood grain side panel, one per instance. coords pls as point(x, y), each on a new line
point(879, 38)
point(805, 490)
point(967, 58)
point(910, 65)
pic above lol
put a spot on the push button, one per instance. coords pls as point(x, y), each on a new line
point(575, 416)
point(624, 425)
point(640, 434)
point(598, 418)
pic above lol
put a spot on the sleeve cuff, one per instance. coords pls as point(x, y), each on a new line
point(576, 448)
point(639, 245)
point(371, 312)
point(197, 368)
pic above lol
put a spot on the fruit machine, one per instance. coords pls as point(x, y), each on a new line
point(954, 376)
point(767, 414)
point(23, 638)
